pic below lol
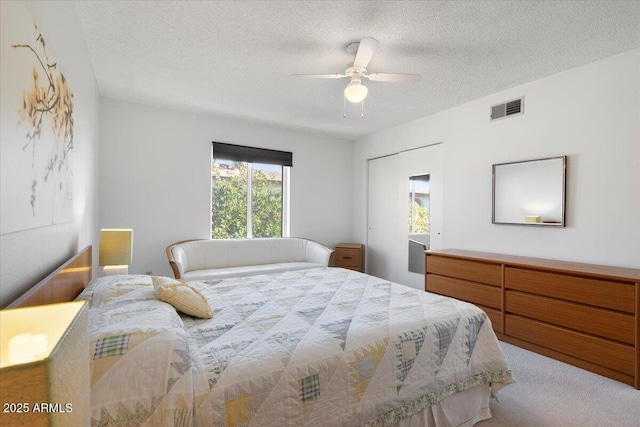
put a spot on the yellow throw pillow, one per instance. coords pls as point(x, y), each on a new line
point(182, 296)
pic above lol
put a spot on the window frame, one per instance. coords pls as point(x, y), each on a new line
point(260, 156)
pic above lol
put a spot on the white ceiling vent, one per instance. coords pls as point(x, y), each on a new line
point(506, 109)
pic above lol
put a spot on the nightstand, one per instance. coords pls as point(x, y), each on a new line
point(349, 255)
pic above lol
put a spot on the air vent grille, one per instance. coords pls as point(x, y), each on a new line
point(507, 109)
point(513, 107)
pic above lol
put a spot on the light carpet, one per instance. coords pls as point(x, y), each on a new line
point(550, 393)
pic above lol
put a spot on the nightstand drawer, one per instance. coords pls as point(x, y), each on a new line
point(349, 255)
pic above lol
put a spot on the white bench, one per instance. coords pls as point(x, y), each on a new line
point(222, 258)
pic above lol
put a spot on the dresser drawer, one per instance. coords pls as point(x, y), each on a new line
point(616, 356)
point(487, 273)
point(495, 316)
point(476, 293)
point(605, 323)
point(599, 293)
point(584, 314)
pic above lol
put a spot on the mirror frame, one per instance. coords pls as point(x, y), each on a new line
point(562, 223)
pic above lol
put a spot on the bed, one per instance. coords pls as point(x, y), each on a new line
point(316, 347)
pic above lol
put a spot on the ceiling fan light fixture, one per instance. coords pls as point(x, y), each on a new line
point(355, 91)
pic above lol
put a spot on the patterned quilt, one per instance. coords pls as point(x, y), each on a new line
point(140, 364)
point(316, 347)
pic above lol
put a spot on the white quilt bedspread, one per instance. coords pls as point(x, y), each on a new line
point(317, 347)
point(334, 347)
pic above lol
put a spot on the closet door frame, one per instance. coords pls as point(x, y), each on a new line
point(387, 210)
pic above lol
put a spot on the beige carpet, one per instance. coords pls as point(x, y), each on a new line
point(551, 393)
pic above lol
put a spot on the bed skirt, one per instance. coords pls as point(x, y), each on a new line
point(463, 409)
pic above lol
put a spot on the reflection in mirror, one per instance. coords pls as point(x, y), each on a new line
point(419, 221)
point(530, 192)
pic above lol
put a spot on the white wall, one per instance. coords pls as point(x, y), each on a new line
point(28, 256)
point(591, 114)
point(155, 177)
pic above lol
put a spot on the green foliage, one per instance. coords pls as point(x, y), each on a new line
point(422, 218)
point(267, 207)
point(229, 205)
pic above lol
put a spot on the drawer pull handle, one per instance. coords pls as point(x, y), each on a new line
point(346, 257)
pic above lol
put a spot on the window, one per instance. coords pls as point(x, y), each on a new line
point(249, 192)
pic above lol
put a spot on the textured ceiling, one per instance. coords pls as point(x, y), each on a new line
point(234, 57)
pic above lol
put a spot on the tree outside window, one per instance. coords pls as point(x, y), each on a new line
point(247, 199)
point(419, 200)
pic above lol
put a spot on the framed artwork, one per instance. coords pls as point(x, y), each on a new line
point(36, 127)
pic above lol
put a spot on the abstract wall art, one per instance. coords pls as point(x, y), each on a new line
point(36, 127)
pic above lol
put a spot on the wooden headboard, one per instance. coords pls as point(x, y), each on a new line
point(63, 285)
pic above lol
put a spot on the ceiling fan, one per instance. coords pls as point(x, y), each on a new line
point(355, 91)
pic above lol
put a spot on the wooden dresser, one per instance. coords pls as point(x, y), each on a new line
point(583, 314)
point(350, 255)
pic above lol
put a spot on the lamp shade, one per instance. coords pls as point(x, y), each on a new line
point(116, 246)
point(44, 365)
point(355, 91)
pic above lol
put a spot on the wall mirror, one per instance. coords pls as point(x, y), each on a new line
point(530, 192)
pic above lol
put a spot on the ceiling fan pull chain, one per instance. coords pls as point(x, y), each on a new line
point(362, 114)
point(344, 107)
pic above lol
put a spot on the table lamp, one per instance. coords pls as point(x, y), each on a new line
point(44, 365)
point(116, 248)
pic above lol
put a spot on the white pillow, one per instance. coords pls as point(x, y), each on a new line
point(182, 296)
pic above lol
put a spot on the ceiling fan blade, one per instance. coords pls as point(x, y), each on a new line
point(366, 49)
point(319, 76)
point(394, 77)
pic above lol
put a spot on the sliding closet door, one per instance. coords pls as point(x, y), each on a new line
point(384, 217)
point(388, 211)
point(427, 161)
